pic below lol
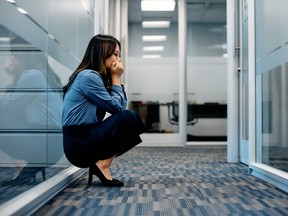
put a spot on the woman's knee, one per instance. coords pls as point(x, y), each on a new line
point(133, 118)
point(129, 115)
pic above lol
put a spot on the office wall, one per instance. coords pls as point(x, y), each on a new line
point(156, 80)
point(206, 78)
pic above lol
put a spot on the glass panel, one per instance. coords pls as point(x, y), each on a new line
point(152, 66)
point(271, 85)
point(30, 116)
point(274, 117)
point(207, 39)
point(206, 72)
point(39, 49)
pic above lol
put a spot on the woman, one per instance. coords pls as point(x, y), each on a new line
point(94, 89)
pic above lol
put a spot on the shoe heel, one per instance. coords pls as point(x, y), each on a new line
point(94, 170)
point(43, 174)
point(33, 176)
point(35, 171)
point(90, 177)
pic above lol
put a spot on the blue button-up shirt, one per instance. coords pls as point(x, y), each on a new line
point(88, 96)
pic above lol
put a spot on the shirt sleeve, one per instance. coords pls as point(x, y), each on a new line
point(92, 86)
point(30, 85)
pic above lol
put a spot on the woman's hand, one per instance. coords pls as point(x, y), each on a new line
point(116, 71)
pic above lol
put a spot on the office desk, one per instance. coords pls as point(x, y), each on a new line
point(207, 110)
point(196, 112)
point(150, 114)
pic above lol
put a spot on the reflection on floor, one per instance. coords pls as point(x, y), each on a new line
point(172, 181)
point(28, 178)
point(278, 157)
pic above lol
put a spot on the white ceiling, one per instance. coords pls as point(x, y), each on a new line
point(198, 11)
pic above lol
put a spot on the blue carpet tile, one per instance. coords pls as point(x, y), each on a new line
point(172, 182)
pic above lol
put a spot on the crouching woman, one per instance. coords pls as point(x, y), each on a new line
point(93, 89)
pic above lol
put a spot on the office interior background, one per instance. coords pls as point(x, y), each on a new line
point(214, 73)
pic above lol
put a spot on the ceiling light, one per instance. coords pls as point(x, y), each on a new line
point(22, 10)
point(149, 38)
point(4, 39)
point(157, 5)
point(155, 24)
point(153, 48)
point(84, 5)
point(151, 56)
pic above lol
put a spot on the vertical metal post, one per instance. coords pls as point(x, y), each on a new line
point(117, 19)
point(252, 81)
point(182, 24)
point(232, 86)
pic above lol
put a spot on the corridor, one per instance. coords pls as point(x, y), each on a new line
point(171, 182)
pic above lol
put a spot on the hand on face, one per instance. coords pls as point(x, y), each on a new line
point(114, 63)
point(116, 68)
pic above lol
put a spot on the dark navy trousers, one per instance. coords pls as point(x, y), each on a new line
point(84, 145)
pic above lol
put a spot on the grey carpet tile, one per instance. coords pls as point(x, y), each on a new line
point(172, 182)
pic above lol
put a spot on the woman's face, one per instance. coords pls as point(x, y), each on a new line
point(12, 66)
point(113, 58)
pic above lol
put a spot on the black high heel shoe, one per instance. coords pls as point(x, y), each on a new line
point(94, 170)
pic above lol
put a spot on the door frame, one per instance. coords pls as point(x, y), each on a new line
point(243, 143)
point(232, 85)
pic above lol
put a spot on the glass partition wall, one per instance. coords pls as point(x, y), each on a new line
point(41, 43)
point(155, 76)
point(152, 69)
point(271, 84)
point(206, 72)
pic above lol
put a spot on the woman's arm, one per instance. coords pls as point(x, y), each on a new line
point(92, 86)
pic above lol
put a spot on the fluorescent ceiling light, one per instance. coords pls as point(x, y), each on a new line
point(153, 48)
point(51, 36)
point(157, 5)
point(84, 5)
point(155, 24)
point(4, 39)
point(22, 10)
point(149, 38)
point(151, 56)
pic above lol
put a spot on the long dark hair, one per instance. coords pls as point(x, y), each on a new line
point(100, 48)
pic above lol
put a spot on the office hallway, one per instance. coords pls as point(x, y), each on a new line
point(171, 182)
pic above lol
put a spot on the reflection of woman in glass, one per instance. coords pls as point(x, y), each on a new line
point(32, 101)
point(94, 89)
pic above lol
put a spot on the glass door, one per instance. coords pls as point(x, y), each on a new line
point(152, 69)
point(206, 73)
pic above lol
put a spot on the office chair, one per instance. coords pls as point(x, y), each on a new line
point(173, 114)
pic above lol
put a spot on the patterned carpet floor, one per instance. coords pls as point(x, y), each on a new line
point(171, 182)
